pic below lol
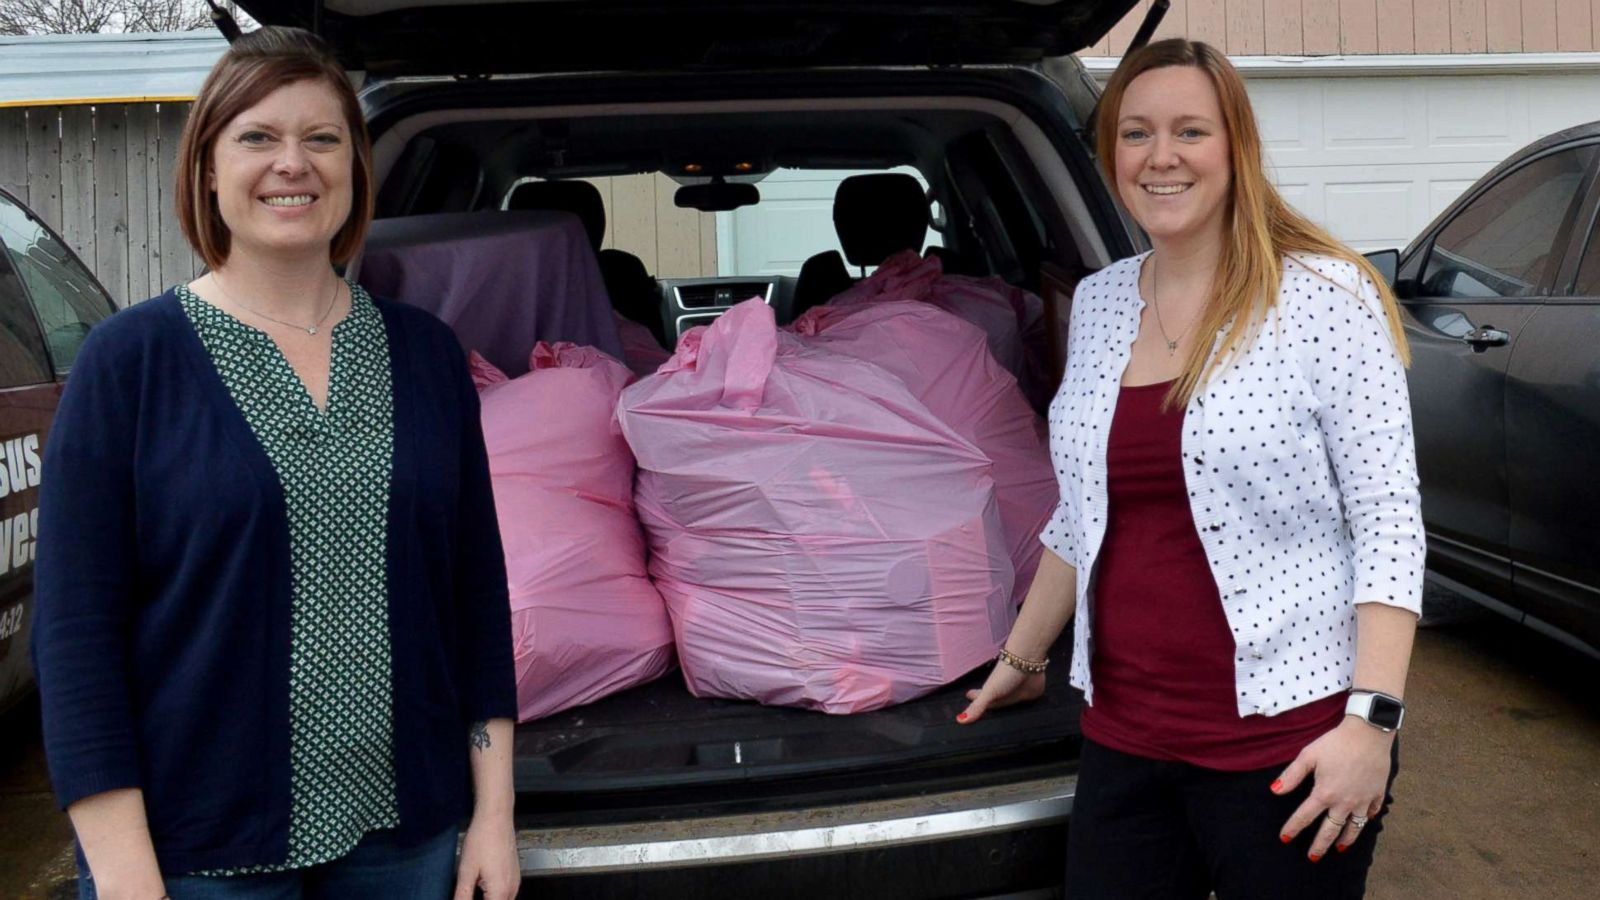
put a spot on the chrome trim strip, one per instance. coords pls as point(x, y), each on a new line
point(808, 832)
point(710, 313)
point(708, 316)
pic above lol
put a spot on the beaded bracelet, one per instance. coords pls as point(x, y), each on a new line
point(1026, 666)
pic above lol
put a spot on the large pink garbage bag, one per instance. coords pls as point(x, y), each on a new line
point(1041, 371)
point(821, 538)
point(1000, 309)
point(585, 619)
point(947, 365)
point(640, 349)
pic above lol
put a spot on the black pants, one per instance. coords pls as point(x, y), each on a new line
point(1144, 829)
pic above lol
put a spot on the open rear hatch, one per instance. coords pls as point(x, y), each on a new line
point(640, 746)
point(388, 38)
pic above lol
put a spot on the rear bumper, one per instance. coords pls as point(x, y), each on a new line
point(930, 818)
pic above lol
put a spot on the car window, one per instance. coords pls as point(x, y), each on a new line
point(1589, 267)
point(22, 358)
point(67, 298)
point(1502, 244)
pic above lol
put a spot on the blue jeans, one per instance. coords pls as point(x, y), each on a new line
point(376, 868)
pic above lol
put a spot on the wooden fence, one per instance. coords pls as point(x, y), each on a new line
point(102, 177)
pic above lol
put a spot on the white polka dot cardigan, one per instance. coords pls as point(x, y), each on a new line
point(1300, 466)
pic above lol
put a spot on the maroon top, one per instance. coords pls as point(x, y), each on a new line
point(1163, 654)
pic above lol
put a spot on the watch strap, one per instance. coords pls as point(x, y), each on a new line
point(1360, 704)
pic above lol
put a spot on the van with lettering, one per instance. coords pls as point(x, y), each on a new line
point(48, 302)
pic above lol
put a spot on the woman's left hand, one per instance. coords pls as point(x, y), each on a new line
point(1350, 770)
point(489, 860)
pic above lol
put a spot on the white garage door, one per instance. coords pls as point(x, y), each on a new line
point(1372, 158)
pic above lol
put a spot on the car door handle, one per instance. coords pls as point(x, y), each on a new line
point(1488, 336)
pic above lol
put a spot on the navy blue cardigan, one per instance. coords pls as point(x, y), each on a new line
point(161, 633)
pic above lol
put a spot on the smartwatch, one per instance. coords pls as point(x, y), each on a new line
point(1377, 709)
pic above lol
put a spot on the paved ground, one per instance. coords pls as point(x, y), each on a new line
point(1499, 792)
point(1499, 787)
point(34, 838)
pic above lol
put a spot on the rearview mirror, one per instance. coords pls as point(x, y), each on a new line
point(718, 196)
point(1387, 262)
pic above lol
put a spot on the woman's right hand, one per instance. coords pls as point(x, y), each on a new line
point(1052, 597)
point(1004, 687)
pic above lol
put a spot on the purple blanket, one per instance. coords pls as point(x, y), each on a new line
point(503, 280)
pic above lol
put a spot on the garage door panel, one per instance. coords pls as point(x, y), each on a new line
point(1472, 116)
point(1366, 114)
point(1301, 196)
point(1366, 121)
point(1285, 112)
point(1379, 211)
point(1552, 106)
point(1443, 191)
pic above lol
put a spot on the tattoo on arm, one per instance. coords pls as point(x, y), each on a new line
point(480, 735)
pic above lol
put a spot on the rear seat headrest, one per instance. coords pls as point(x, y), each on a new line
point(580, 198)
point(879, 215)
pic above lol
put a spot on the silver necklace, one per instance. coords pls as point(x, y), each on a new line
point(311, 329)
point(1155, 300)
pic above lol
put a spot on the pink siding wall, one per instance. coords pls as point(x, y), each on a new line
point(1320, 27)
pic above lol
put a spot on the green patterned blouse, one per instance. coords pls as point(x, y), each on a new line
point(334, 467)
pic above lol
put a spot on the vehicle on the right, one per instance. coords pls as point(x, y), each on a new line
point(1501, 295)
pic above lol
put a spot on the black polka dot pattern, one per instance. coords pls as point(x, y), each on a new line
point(1300, 465)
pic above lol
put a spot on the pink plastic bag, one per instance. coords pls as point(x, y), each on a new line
point(999, 309)
point(947, 365)
point(821, 538)
point(585, 619)
point(640, 348)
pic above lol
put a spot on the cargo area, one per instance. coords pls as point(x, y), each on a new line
point(461, 232)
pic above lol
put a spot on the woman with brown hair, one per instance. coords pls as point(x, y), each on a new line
point(272, 638)
point(1239, 536)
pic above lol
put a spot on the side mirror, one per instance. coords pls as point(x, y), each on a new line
point(718, 196)
point(1387, 262)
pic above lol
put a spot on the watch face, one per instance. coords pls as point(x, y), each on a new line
point(1385, 712)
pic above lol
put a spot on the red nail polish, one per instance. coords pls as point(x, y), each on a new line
point(1341, 847)
point(1277, 785)
point(961, 718)
point(1316, 857)
point(1285, 838)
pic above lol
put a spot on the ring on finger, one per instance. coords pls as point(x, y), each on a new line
point(1337, 823)
point(1358, 821)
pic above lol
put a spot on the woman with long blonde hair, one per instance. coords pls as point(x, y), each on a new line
point(1239, 493)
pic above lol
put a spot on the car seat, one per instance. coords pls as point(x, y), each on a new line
point(633, 290)
point(875, 217)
